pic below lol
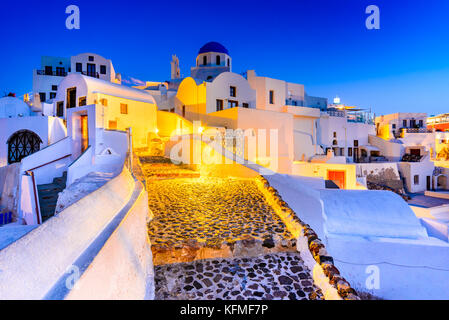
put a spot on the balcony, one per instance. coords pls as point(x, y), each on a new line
point(415, 130)
point(57, 73)
point(91, 74)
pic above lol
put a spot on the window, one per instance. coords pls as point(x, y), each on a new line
point(60, 109)
point(245, 105)
point(356, 143)
point(79, 67)
point(421, 123)
point(42, 96)
point(349, 152)
point(103, 69)
point(48, 70)
point(219, 105)
point(218, 60)
point(271, 97)
point(54, 88)
point(233, 91)
point(123, 108)
point(91, 58)
point(112, 125)
point(335, 142)
point(104, 102)
point(233, 104)
point(52, 95)
point(416, 180)
point(229, 63)
point(183, 111)
point(342, 152)
point(413, 123)
point(335, 134)
point(82, 101)
point(60, 71)
point(204, 60)
point(404, 123)
point(394, 126)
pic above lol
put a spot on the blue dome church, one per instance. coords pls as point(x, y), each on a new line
point(213, 59)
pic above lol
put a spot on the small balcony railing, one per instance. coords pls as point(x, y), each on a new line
point(51, 73)
point(415, 130)
point(91, 74)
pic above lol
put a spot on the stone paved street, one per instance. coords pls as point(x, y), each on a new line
point(279, 276)
point(218, 238)
point(210, 211)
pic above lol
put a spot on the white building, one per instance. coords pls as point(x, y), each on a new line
point(53, 69)
point(24, 132)
point(392, 125)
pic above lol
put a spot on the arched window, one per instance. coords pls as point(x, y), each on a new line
point(21, 144)
point(218, 60)
point(204, 60)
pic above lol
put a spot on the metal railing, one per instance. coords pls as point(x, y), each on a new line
point(51, 73)
point(91, 74)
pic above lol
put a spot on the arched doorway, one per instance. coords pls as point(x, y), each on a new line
point(21, 144)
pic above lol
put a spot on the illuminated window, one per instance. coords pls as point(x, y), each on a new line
point(271, 97)
point(233, 91)
point(123, 108)
point(219, 105)
point(112, 125)
point(82, 101)
point(104, 102)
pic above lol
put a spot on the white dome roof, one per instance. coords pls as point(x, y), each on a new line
point(11, 107)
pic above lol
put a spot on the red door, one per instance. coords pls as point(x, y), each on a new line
point(338, 177)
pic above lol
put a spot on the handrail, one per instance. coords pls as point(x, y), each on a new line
point(36, 204)
point(66, 156)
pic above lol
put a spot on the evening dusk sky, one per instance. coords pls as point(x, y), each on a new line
point(325, 45)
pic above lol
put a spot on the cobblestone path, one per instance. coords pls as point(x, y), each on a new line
point(279, 276)
point(215, 238)
point(211, 211)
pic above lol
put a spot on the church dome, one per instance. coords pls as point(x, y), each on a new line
point(213, 47)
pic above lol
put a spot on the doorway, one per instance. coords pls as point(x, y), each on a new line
point(84, 133)
point(71, 98)
point(429, 184)
point(338, 177)
point(91, 70)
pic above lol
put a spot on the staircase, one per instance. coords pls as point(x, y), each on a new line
point(48, 196)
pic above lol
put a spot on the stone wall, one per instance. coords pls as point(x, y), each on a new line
point(325, 275)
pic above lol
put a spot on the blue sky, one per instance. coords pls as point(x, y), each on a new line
point(324, 45)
